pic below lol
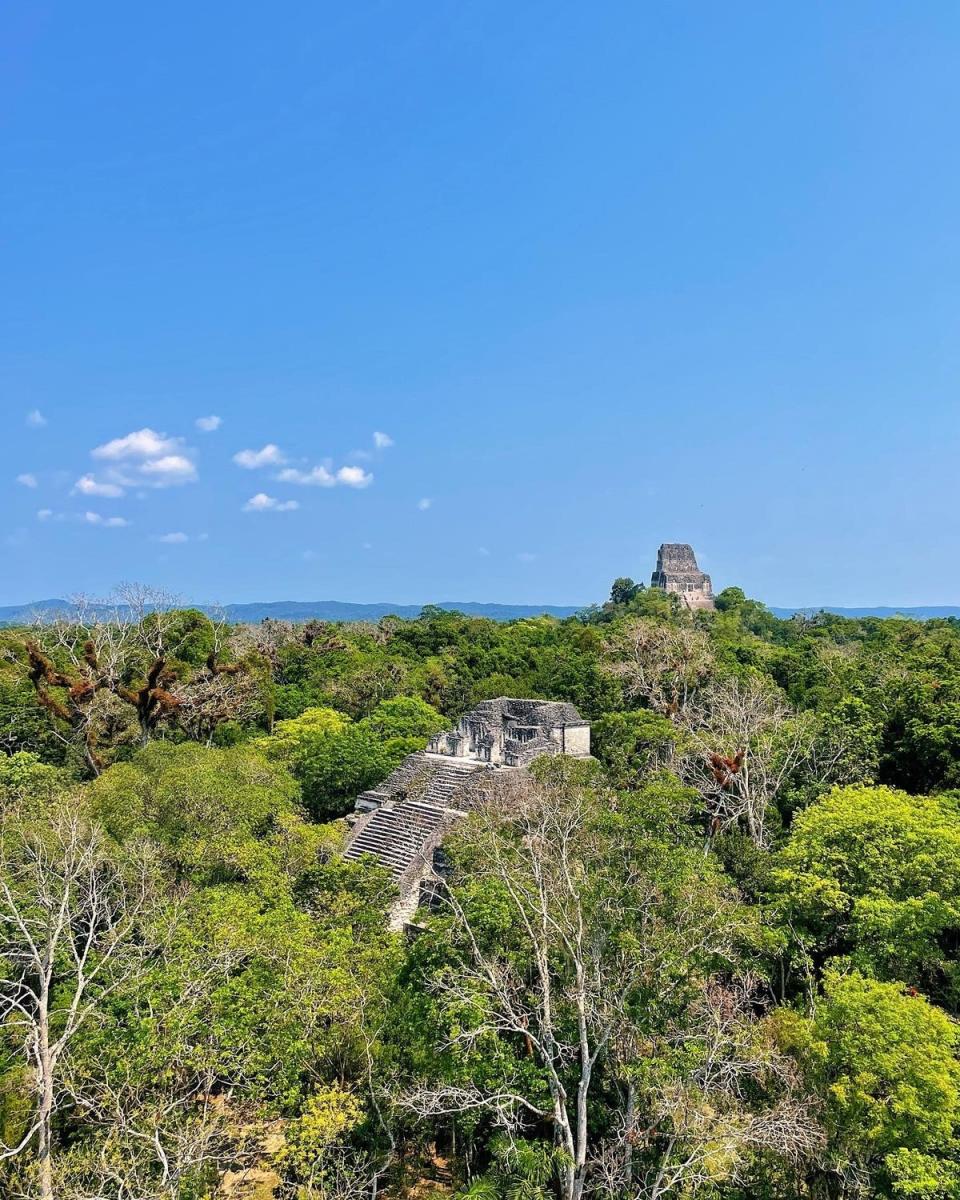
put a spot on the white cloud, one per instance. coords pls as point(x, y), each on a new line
point(526, 556)
point(169, 469)
point(27, 479)
point(86, 518)
point(316, 477)
point(208, 424)
point(35, 419)
point(261, 502)
point(143, 443)
point(382, 440)
point(87, 485)
point(173, 539)
point(424, 504)
point(93, 518)
point(146, 457)
point(483, 551)
point(269, 456)
point(322, 476)
point(355, 477)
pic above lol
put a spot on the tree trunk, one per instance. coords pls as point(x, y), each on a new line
point(629, 1119)
point(45, 1113)
point(569, 1181)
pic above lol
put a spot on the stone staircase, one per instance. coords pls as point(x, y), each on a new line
point(447, 780)
point(407, 779)
point(429, 778)
point(398, 835)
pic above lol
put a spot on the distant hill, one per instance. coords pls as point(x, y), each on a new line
point(313, 610)
point(338, 610)
point(923, 613)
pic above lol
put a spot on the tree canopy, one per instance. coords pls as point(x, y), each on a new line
point(716, 960)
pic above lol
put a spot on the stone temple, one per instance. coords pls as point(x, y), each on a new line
point(677, 572)
point(401, 822)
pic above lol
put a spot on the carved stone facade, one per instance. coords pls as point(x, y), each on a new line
point(511, 733)
point(401, 822)
point(677, 572)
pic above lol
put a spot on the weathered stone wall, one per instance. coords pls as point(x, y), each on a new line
point(496, 731)
point(677, 572)
point(573, 740)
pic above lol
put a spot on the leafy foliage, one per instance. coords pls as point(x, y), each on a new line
point(874, 875)
point(720, 959)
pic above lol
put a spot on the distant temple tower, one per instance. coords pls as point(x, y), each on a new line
point(677, 571)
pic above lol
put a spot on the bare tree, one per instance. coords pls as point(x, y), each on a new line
point(75, 663)
point(83, 664)
point(148, 1138)
point(100, 662)
point(69, 924)
point(218, 691)
point(746, 742)
point(267, 639)
point(149, 1134)
point(657, 663)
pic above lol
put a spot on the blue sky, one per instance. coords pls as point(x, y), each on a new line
point(601, 275)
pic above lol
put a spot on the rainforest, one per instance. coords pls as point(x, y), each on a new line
point(716, 958)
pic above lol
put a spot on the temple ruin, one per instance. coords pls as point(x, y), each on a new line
point(401, 822)
point(677, 572)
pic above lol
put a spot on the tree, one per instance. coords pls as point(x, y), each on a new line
point(24, 723)
point(334, 768)
point(275, 954)
point(874, 874)
point(134, 657)
point(623, 590)
point(214, 815)
point(634, 745)
point(569, 978)
point(71, 915)
point(254, 1007)
point(25, 779)
point(885, 1062)
point(746, 743)
point(288, 735)
point(405, 716)
point(730, 598)
point(335, 759)
point(658, 663)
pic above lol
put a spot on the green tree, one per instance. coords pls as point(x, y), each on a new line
point(215, 815)
point(633, 745)
point(405, 716)
point(335, 759)
point(334, 768)
point(623, 590)
point(24, 778)
point(885, 1063)
point(288, 734)
point(874, 874)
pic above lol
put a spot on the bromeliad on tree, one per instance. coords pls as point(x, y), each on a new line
point(89, 669)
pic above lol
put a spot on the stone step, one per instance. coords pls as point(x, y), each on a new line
point(396, 836)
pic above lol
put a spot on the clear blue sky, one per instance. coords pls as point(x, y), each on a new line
point(606, 275)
